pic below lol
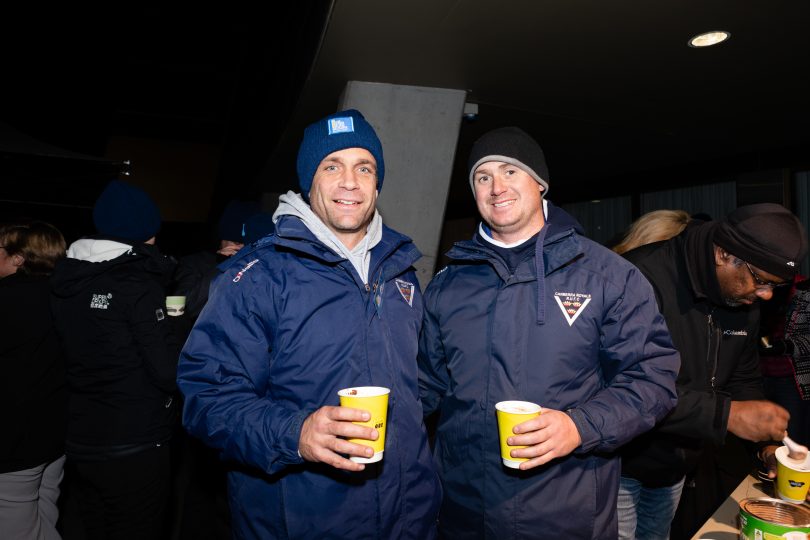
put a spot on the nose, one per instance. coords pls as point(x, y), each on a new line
point(348, 180)
point(498, 185)
point(764, 294)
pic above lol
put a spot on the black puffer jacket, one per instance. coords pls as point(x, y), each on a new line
point(32, 385)
point(120, 349)
point(719, 360)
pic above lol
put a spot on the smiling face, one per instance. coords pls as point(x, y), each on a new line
point(344, 193)
point(509, 201)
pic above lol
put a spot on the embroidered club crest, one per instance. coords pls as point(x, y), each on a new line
point(406, 290)
point(572, 304)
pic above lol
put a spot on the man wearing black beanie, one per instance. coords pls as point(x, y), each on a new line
point(531, 310)
point(708, 282)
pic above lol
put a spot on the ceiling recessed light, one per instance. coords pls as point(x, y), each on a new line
point(707, 39)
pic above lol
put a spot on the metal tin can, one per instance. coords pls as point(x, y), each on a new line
point(772, 519)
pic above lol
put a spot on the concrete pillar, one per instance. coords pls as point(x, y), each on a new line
point(419, 129)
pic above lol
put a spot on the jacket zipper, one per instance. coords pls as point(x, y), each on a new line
point(714, 348)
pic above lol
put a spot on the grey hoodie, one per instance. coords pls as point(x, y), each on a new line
point(292, 204)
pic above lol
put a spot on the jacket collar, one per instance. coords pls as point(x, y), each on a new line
point(390, 257)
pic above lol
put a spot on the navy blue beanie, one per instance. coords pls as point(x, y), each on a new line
point(258, 226)
point(125, 211)
point(344, 129)
point(232, 223)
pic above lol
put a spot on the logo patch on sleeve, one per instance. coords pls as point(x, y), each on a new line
point(159, 315)
point(243, 270)
point(406, 290)
point(572, 304)
point(344, 124)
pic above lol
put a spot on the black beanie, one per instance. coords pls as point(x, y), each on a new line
point(510, 145)
point(765, 235)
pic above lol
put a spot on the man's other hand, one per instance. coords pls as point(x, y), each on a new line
point(758, 420)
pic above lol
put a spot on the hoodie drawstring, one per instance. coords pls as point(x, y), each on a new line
point(540, 271)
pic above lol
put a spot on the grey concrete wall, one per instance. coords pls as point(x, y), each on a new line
point(419, 129)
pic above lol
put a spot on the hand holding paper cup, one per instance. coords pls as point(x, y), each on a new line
point(175, 305)
point(373, 399)
point(510, 414)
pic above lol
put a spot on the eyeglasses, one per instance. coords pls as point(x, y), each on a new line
point(761, 283)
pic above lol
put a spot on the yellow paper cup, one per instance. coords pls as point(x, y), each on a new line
point(510, 414)
point(373, 399)
point(792, 477)
point(175, 305)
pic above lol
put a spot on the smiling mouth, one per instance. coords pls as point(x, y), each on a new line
point(348, 203)
point(503, 203)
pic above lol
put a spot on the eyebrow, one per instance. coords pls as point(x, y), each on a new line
point(329, 159)
point(487, 170)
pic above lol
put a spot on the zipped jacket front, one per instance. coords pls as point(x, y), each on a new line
point(719, 359)
point(574, 328)
point(287, 325)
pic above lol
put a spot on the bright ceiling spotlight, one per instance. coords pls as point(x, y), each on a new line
point(707, 39)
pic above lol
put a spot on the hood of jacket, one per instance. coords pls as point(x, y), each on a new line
point(292, 204)
point(88, 259)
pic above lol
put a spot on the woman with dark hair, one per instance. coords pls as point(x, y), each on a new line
point(32, 387)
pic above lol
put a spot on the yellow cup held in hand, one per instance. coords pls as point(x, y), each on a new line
point(792, 476)
point(373, 399)
point(510, 414)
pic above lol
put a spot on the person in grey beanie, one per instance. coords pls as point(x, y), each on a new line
point(532, 310)
point(328, 300)
point(708, 282)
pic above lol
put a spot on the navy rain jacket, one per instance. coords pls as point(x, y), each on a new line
point(288, 324)
point(587, 338)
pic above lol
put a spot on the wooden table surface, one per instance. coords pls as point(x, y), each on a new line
point(723, 524)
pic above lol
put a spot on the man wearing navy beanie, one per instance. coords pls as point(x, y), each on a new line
point(328, 301)
point(121, 351)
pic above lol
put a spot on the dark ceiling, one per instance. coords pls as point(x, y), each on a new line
point(610, 89)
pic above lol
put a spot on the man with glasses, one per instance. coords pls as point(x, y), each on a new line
point(707, 282)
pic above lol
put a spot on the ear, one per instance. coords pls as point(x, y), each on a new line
point(17, 260)
point(721, 256)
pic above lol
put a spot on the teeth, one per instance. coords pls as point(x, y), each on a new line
point(502, 204)
point(347, 202)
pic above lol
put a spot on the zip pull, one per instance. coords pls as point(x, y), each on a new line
point(713, 349)
point(368, 288)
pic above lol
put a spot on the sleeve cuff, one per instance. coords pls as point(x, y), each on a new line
point(589, 437)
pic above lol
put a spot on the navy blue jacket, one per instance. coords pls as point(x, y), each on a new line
point(287, 325)
point(587, 338)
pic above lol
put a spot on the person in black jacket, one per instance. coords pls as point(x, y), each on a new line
point(121, 358)
point(32, 387)
point(707, 282)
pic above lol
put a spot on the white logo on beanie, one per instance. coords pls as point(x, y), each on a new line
point(344, 124)
point(791, 263)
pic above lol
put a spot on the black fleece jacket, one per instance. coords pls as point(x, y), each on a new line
point(121, 350)
point(719, 359)
point(32, 385)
